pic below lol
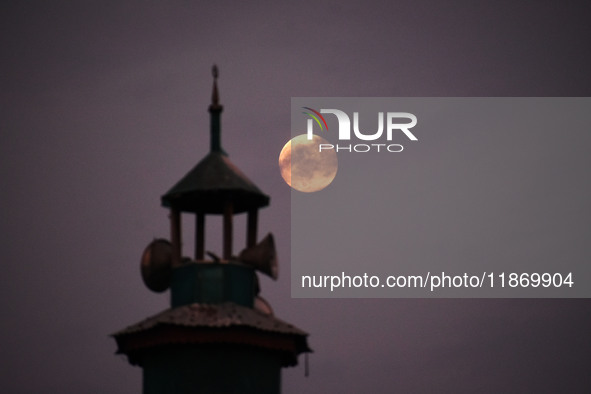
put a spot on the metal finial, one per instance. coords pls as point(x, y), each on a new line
point(215, 97)
point(215, 110)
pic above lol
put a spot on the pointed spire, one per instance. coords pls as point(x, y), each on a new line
point(215, 97)
point(215, 110)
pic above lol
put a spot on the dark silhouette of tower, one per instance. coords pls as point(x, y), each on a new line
point(219, 335)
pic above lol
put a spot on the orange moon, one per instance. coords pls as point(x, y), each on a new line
point(304, 167)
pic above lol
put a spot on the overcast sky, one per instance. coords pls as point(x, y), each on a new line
point(104, 107)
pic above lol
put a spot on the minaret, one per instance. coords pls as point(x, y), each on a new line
point(219, 335)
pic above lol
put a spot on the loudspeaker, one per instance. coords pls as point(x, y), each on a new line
point(262, 257)
point(156, 265)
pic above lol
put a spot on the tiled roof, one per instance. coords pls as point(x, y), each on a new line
point(212, 316)
point(224, 324)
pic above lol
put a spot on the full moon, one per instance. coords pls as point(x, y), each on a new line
point(303, 167)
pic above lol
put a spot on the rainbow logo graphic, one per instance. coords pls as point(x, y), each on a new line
point(315, 115)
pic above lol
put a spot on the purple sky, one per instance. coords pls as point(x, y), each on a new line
point(104, 108)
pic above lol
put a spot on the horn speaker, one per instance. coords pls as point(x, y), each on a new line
point(262, 257)
point(156, 265)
